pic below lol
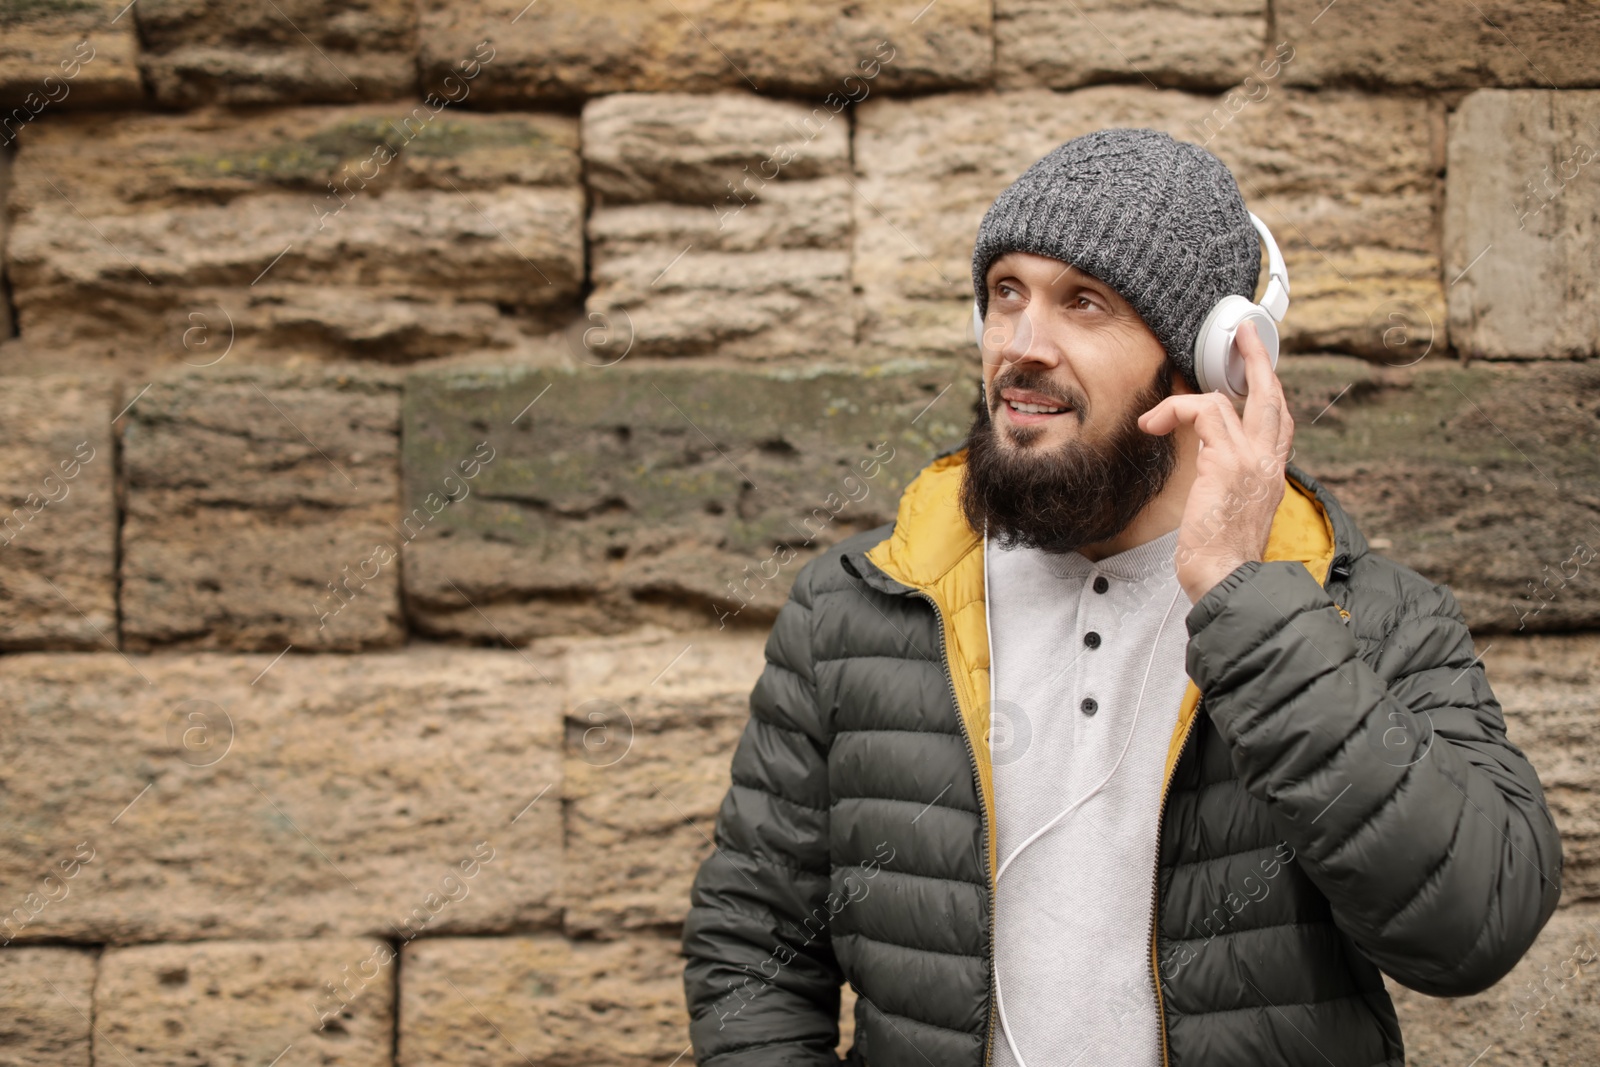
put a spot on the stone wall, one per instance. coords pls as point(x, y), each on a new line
point(412, 417)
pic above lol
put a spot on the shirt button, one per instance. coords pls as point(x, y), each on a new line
point(1100, 583)
point(1089, 706)
point(1091, 639)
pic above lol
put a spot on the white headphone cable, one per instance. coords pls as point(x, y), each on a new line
point(989, 629)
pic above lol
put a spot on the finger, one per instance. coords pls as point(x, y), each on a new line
point(1285, 439)
point(1159, 414)
point(1264, 407)
point(1211, 414)
point(1257, 363)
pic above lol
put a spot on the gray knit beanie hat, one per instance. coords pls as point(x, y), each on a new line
point(1160, 221)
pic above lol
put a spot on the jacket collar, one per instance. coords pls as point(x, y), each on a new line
point(932, 551)
point(930, 536)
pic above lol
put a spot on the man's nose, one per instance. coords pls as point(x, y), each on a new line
point(1021, 337)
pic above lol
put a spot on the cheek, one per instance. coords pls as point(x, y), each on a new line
point(1115, 367)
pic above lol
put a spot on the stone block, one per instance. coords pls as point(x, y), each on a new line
point(1474, 475)
point(567, 51)
point(1546, 1010)
point(774, 285)
point(260, 511)
point(386, 232)
point(245, 1004)
point(1521, 219)
point(1187, 44)
point(488, 1002)
point(215, 796)
point(1436, 44)
point(652, 720)
point(691, 148)
point(210, 51)
point(58, 513)
point(1545, 685)
point(67, 56)
point(688, 496)
point(723, 226)
point(47, 994)
point(1347, 183)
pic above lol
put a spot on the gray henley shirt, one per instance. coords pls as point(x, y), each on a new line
point(1071, 641)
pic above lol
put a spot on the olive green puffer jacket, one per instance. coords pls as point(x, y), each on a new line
point(1343, 801)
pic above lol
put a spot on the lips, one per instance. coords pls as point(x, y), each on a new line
point(1025, 406)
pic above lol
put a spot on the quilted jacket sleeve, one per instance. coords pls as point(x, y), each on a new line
point(1406, 804)
point(761, 980)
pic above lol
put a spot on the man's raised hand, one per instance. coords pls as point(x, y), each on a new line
point(1238, 474)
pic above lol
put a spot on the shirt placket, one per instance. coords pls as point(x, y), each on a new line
point(1090, 711)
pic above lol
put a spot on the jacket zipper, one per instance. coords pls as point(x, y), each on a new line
point(1155, 882)
point(1155, 874)
point(983, 820)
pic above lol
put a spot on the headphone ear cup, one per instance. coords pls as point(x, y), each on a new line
point(1218, 364)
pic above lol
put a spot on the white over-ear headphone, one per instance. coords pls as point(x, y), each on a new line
point(1217, 363)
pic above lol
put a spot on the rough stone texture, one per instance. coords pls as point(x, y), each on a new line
point(1439, 44)
point(86, 47)
point(259, 502)
point(724, 226)
point(719, 213)
point(277, 51)
point(58, 513)
point(161, 239)
point(630, 494)
point(1546, 1011)
point(244, 1003)
point(231, 796)
point(651, 721)
point(1481, 477)
point(565, 51)
point(690, 148)
point(46, 992)
point(1347, 184)
point(1188, 44)
point(768, 282)
point(1522, 223)
point(507, 1002)
point(1546, 685)
point(7, 319)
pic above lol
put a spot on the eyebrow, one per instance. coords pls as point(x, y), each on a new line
point(1083, 279)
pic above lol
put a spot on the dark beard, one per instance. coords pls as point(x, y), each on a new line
point(1081, 494)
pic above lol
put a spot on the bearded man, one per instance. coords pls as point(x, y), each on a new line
point(991, 782)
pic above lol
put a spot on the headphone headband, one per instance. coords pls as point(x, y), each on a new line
point(1276, 298)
